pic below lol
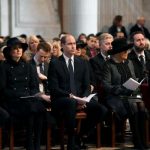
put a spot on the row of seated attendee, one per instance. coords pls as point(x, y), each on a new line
point(118, 27)
point(31, 78)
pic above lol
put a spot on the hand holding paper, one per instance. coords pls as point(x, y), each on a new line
point(84, 99)
point(132, 84)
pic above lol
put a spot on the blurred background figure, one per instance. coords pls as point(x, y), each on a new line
point(119, 35)
point(56, 49)
point(117, 26)
point(33, 42)
point(56, 39)
point(2, 58)
point(91, 50)
point(23, 38)
point(81, 50)
point(140, 26)
point(147, 46)
point(2, 38)
point(82, 37)
point(41, 39)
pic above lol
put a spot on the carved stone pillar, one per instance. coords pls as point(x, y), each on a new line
point(4, 17)
point(80, 16)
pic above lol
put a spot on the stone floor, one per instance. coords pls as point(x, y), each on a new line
point(126, 145)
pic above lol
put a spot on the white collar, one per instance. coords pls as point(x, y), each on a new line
point(139, 54)
point(104, 56)
point(36, 62)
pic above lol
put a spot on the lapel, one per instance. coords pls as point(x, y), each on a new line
point(63, 64)
point(33, 61)
point(131, 68)
point(134, 57)
point(46, 68)
point(147, 55)
point(100, 57)
point(76, 67)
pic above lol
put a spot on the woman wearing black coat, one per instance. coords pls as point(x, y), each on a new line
point(117, 27)
point(19, 83)
point(117, 71)
point(3, 113)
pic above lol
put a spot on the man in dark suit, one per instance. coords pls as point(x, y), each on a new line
point(98, 61)
point(68, 76)
point(140, 56)
point(139, 26)
point(40, 62)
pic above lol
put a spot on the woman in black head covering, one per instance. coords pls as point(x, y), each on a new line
point(20, 85)
point(117, 71)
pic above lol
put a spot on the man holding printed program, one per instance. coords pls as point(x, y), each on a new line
point(68, 76)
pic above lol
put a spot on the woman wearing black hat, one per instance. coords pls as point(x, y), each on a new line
point(20, 80)
point(118, 70)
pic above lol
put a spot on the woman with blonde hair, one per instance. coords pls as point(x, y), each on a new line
point(33, 42)
point(56, 49)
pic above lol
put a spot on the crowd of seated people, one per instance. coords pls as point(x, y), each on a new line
point(37, 74)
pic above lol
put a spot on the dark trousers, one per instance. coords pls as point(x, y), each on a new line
point(34, 126)
point(4, 115)
point(137, 122)
point(31, 111)
point(68, 107)
point(96, 113)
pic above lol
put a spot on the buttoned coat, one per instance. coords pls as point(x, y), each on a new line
point(19, 80)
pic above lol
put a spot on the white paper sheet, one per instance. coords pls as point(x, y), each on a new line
point(85, 99)
point(132, 84)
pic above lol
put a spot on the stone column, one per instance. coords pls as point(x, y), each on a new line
point(80, 16)
point(4, 18)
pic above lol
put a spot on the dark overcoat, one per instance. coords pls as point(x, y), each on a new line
point(20, 80)
point(113, 88)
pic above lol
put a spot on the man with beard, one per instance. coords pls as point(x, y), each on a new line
point(140, 56)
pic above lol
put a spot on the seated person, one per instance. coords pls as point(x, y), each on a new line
point(116, 71)
point(68, 78)
point(20, 90)
point(40, 64)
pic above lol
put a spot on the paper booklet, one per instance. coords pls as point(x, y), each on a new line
point(28, 96)
point(84, 99)
point(132, 84)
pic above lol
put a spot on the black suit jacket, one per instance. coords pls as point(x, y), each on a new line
point(138, 69)
point(58, 78)
point(137, 28)
point(45, 82)
point(97, 66)
point(45, 66)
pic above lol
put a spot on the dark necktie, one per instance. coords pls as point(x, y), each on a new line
point(41, 68)
point(142, 60)
point(71, 73)
point(107, 58)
